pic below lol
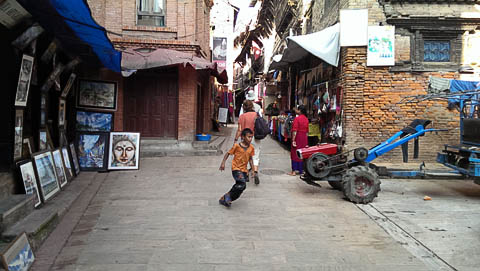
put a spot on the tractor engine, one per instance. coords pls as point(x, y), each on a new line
point(322, 160)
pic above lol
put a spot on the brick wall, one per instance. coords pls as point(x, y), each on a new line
point(187, 100)
point(372, 112)
point(185, 21)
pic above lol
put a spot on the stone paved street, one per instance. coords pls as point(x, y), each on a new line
point(166, 216)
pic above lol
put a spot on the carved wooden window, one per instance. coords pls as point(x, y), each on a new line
point(436, 51)
point(151, 12)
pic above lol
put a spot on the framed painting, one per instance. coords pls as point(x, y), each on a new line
point(29, 180)
point(24, 81)
point(18, 255)
point(97, 94)
point(47, 176)
point(67, 163)
point(68, 86)
point(76, 165)
point(59, 167)
point(62, 138)
point(124, 150)
point(62, 103)
point(44, 141)
point(94, 121)
point(18, 141)
point(27, 147)
point(92, 150)
point(43, 100)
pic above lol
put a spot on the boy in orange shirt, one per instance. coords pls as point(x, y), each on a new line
point(242, 155)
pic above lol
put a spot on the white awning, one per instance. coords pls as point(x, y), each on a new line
point(323, 44)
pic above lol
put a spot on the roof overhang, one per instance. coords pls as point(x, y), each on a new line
point(134, 59)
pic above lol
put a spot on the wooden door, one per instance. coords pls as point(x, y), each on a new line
point(151, 105)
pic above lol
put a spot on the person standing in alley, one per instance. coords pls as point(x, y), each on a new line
point(247, 120)
point(256, 107)
point(299, 139)
point(242, 155)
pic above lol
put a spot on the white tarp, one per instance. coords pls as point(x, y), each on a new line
point(323, 44)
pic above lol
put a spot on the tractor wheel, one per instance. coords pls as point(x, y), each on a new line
point(361, 184)
point(318, 165)
point(337, 185)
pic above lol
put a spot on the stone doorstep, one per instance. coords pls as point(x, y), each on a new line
point(178, 153)
point(15, 208)
point(42, 221)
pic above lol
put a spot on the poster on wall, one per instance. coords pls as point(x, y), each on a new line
point(94, 121)
point(353, 27)
point(97, 94)
point(219, 53)
point(11, 13)
point(18, 143)
point(381, 46)
point(24, 81)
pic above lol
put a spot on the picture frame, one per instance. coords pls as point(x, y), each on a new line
point(97, 94)
point(28, 147)
point(43, 100)
point(124, 150)
point(92, 121)
point(68, 86)
point(24, 79)
point(62, 105)
point(92, 150)
point(67, 163)
point(27, 172)
point(18, 140)
point(19, 254)
point(47, 175)
point(76, 165)
point(59, 167)
point(44, 140)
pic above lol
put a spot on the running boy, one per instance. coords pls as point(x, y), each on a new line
point(242, 154)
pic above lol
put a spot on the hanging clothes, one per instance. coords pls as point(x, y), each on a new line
point(230, 103)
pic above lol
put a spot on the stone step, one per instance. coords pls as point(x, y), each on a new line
point(177, 153)
point(42, 221)
point(15, 208)
point(7, 185)
point(215, 143)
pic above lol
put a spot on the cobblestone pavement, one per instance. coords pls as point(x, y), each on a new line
point(166, 216)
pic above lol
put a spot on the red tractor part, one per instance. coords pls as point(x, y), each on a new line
point(325, 148)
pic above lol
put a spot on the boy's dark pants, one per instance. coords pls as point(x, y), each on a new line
point(240, 184)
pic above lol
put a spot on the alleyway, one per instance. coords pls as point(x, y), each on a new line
point(166, 216)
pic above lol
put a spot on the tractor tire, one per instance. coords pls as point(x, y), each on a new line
point(361, 184)
point(337, 185)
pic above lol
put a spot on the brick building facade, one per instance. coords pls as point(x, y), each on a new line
point(179, 25)
point(372, 111)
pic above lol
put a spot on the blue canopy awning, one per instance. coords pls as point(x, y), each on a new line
point(72, 23)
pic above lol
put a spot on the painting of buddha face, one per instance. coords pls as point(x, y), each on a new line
point(124, 150)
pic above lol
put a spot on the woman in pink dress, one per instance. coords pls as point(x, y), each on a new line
point(299, 139)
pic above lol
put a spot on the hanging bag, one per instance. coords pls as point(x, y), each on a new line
point(261, 128)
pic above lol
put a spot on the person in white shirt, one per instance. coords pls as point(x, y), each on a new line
point(256, 107)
